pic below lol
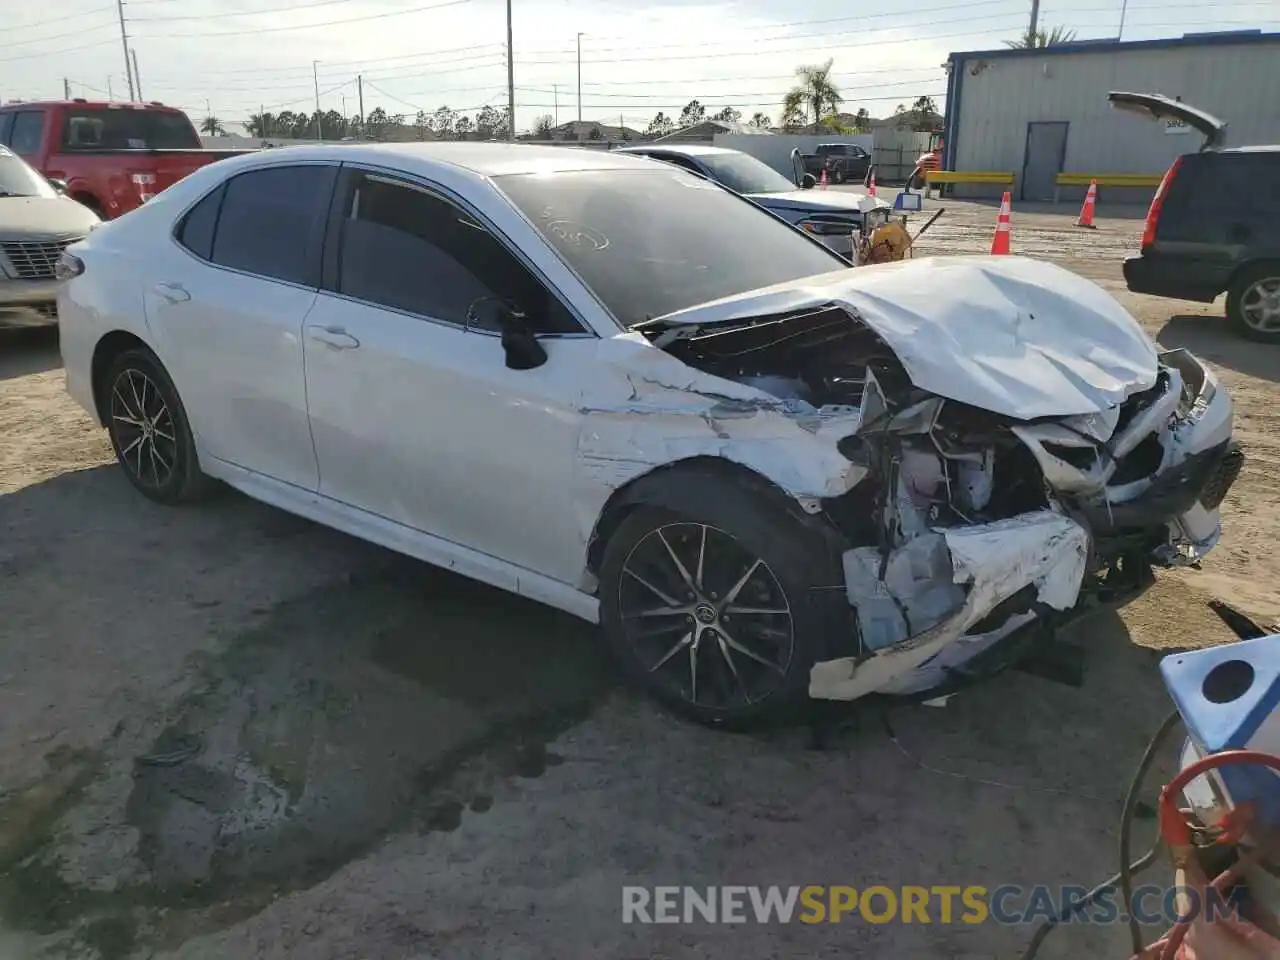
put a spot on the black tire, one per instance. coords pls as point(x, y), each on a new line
point(801, 572)
point(160, 460)
point(1262, 280)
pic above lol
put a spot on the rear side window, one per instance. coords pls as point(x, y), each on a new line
point(6, 124)
point(271, 221)
point(27, 132)
point(197, 228)
point(96, 128)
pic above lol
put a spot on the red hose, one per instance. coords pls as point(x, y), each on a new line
point(1176, 832)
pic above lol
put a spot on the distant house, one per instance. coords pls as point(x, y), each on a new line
point(705, 132)
point(584, 131)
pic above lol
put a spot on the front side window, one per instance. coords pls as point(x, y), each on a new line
point(406, 248)
point(742, 173)
point(270, 219)
point(98, 128)
point(649, 242)
point(27, 132)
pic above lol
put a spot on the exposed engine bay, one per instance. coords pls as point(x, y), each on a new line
point(968, 523)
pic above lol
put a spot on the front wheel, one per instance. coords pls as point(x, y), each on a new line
point(1253, 303)
point(149, 431)
point(719, 615)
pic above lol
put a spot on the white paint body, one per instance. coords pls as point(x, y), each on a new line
point(422, 440)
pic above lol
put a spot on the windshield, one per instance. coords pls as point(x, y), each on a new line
point(651, 242)
point(97, 128)
point(17, 179)
point(745, 174)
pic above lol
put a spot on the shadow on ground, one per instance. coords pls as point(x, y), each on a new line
point(1210, 338)
point(28, 349)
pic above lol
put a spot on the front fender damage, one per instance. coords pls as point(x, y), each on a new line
point(937, 586)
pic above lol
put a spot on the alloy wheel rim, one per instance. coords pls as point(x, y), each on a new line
point(1260, 305)
point(144, 430)
point(706, 617)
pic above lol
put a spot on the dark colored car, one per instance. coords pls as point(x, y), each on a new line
point(843, 162)
point(1214, 223)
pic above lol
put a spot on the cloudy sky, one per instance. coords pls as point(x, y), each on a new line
point(234, 57)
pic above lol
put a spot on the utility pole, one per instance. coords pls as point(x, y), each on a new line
point(110, 95)
point(555, 89)
point(360, 94)
point(66, 89)
point(1035, 21)
point(137, 77)
point(315, 76)
point(1124, 8)
point(579, 77)
point(511, 80)
point(124, 45)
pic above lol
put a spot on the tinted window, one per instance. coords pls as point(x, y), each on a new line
point(684, 163)
point(197, 227)
point(408, 249)
point(746, 174)
point(6, 124)
point(17, 179)
point(650, 242)
point(127, 129)
point(27, 132)
point(269, 219)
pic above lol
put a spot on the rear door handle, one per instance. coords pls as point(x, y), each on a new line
point(173, 292)
point(335, 337)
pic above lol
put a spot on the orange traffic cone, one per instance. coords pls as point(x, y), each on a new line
point(1000, 242)
point(1086, 212)
point(872, 188)
point(822, 180)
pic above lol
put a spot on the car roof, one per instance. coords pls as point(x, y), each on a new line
point(684, 149)
point(483, 158)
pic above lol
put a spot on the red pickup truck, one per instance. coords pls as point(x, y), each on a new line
point(112, 157)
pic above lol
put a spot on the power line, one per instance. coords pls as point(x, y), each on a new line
point(60, 36)
point(237, 13)
point(47, 53)
point(69, 16)
point(308, 26)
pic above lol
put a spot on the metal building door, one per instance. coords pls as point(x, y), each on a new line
point(1046, 153)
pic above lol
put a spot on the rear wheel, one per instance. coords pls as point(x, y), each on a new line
point(719, 615)
point(1253, 303)
point(149, 431)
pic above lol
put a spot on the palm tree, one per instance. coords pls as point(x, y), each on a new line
point(212, 126)
point(1042, 38)
point(816, 90)
point(792, 110)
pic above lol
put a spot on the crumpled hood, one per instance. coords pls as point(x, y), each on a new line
point(1018, 337)
point(821, 201)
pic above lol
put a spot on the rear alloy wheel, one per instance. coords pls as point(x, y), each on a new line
point(717, 617)
point(149, 432)
point(1253, 304)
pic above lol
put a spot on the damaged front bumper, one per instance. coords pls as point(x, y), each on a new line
point(933, 605)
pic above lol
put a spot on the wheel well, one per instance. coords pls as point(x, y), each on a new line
point(90, 201)
point(104, 354)
point(1250, 267)
point(679, 484)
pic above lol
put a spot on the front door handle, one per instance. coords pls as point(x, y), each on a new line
point(173, 292)
point(335, 337)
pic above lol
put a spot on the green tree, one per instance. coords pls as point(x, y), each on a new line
point(377, 125)
point(693, 113)
point(792, 115)
point(817, 90)
point(261, 125)
point(728, 115)
point(862, 120)
point(422, 125)
point(1053, 37)
point(660, 126)
point(443, 123)
point(543, 126)
point(760, 120)
point(464, 127)
point(212, 127)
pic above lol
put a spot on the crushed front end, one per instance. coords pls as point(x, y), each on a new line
point(979, 527)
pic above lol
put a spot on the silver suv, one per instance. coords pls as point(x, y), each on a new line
point(37, 222)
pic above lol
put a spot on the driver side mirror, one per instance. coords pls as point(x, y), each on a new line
point(808, 182)
point(519, 343)
point(59, 185)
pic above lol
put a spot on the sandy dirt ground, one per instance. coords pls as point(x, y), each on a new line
point(227, 732)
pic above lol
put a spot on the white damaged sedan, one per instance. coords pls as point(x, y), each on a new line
point(617, 388)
